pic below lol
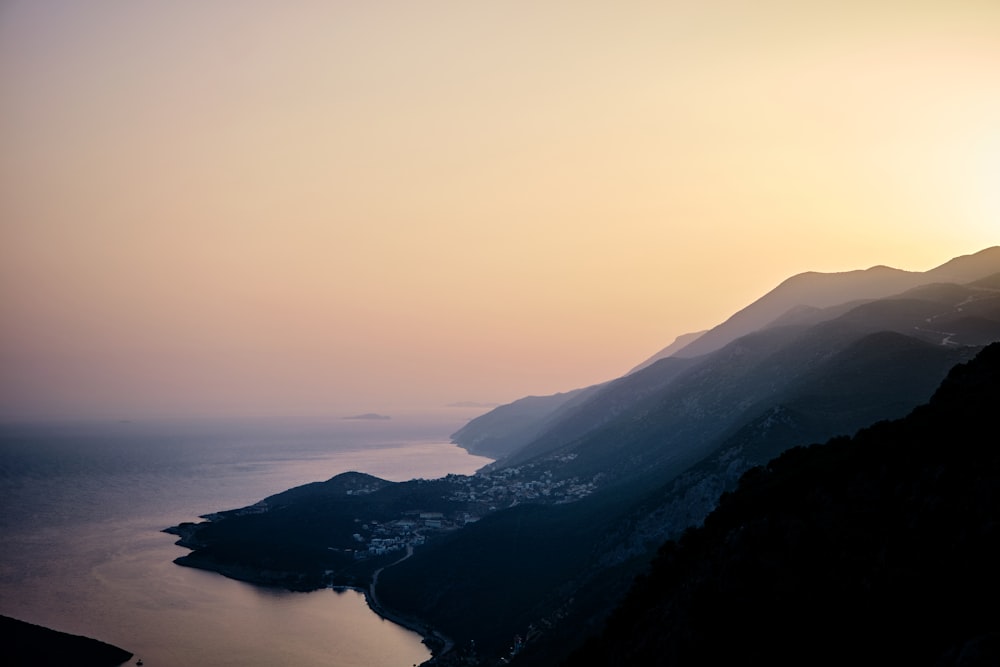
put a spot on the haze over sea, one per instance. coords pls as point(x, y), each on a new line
point(83, 505)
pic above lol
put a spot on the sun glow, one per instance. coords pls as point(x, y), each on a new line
point(985, 184)
point(270, 208)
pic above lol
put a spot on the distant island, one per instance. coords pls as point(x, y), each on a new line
point(369, 416)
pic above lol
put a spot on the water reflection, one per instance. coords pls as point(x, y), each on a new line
point(83, 552)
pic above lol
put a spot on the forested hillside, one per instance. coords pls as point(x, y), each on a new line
point(876, 549)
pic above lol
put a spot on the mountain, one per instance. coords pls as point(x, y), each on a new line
point(804, 299)
point(543, 542)
point(879, 376)
point(683, 405)
point(877, 549)
point(507, 427)
point(822, 290)
point(679, 343)
point(661, 462)
point(550, 572)
point(967, 268)
point(600, 406)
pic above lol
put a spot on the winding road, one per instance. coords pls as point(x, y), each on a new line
point(378, 608)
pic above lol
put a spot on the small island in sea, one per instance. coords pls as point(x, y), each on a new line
point(472, 404)
point(368, 416)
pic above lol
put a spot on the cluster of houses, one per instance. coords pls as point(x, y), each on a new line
point(405, 532)
point(479, 494)
point(510, 486)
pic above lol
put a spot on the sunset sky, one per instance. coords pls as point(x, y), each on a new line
point(234, 207)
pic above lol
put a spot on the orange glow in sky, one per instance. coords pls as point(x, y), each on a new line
point(248, 207)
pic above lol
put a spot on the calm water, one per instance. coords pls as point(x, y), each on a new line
point(82, 506)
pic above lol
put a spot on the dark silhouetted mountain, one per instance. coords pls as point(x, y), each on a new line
point(660, 464)
point(880, 376)
point(876, 549)
point(575, 558)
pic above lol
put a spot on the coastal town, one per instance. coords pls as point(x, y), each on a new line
point(472, 496)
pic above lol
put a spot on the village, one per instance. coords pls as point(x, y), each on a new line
point(477, 495)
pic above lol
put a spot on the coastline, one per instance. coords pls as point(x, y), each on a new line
point(437, 642)
point(139, 479)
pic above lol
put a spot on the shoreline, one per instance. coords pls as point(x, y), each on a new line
point(437, 642)
point(431, 636)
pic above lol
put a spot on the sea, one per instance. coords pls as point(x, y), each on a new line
point(83, 504)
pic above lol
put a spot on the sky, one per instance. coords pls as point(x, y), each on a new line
point(241, 207)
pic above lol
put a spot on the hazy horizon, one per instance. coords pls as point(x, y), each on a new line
point(250, 208)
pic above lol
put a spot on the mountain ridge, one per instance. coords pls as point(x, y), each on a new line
point(806, 298)
point(822, 290)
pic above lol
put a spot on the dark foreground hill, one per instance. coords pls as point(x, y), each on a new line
point(27, 644)
point(876, 549)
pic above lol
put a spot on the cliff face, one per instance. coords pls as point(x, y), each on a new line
point(881, 549)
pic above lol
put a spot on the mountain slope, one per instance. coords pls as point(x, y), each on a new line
point(507, 427)
point(876, 549)
point(881, 376)
point(666, 430)
point(600, 407)
point(823, 290)
point(679, 343)
point(747, 402)
point(602, 541)
point(804, 300)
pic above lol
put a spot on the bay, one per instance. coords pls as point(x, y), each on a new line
point(82, 506)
